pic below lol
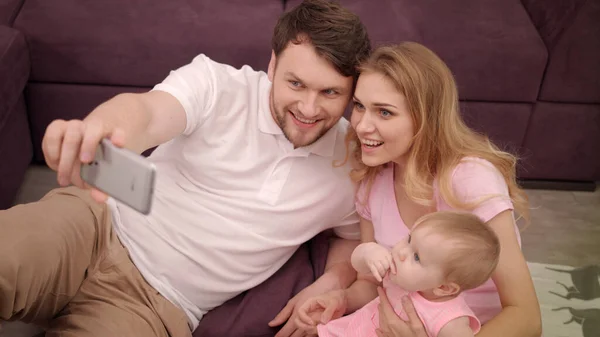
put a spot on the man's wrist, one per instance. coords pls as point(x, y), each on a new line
point(339, 276)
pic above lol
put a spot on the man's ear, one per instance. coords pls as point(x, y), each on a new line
point(271, 69)
point(447, 289)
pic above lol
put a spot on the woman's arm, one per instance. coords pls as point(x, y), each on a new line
point(520, 314)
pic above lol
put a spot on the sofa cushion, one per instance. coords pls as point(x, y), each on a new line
point(15, 152)
point(491, 46)
point(562, 143)
point(505, 123)
point(9, 10)
point(14, 67)
point(249, 313)
point(136, 43)
point(15, 141)
point(573, 73)
point(552, 17)
point(49, 101)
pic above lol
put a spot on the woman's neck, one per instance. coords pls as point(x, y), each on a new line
point(399, 170)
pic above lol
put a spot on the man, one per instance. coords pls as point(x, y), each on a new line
point(245, 175)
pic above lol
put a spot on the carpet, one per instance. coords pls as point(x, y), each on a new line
point(569, 299)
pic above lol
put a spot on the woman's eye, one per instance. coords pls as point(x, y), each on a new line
point(358, 105)
point(417, 257)
point(295, 83)
point(385, 113)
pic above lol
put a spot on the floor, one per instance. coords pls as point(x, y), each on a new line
point(564, 229)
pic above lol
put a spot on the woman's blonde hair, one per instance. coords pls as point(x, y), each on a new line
point(441, 139)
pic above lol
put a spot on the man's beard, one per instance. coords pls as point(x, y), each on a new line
point(280, 116)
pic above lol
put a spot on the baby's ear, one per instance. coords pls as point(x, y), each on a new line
point(447, 289)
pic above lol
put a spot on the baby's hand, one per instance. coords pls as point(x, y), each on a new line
point(311, 330)
point(378, 259)
point(320, 310)
point(307, 320)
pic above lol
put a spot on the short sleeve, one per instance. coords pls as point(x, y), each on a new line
point(361, 202)
point(476, 179)
point(194, 85)
point(349, 227)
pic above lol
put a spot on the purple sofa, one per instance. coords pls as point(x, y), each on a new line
point(15, 139)
point(527, 72)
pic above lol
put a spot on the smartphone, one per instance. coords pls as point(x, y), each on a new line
point(122, 174)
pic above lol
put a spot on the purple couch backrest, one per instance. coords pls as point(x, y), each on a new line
point(137, 43)
point(552, 17)
point(9, 10)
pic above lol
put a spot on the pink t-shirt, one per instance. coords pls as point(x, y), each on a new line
point(434, 315)
point(472, 179)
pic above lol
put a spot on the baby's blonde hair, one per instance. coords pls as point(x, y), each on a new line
point(473, 247)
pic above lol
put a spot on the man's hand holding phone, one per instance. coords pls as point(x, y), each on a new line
point(69, 144)
point(89, 155)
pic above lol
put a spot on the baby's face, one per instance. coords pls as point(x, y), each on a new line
point(419, 260)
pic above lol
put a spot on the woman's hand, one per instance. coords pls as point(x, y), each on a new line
point(390, 325)
point(321, 309)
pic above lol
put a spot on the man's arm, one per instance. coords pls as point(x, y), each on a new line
point(134, 121)
point(364, 288)
point(147, 120)
point(339, 273)
point(339, 260)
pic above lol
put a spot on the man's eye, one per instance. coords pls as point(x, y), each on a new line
point(417, 257)
point(330, 92)
point(295, 83)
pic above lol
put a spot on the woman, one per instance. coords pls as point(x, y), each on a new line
point(415, 155)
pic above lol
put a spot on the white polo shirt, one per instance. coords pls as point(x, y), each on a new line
point(233, 198)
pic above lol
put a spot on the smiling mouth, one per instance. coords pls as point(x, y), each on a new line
point(371, 143)
point(304, 120)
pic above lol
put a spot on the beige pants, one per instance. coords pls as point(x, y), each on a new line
point(63, 267)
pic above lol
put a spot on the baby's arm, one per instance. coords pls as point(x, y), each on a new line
point(367, 235)
point(458, 327)
point(374, 258)
point(358, 258)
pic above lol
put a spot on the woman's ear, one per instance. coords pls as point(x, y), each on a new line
point(447, 289)
point(271, 69)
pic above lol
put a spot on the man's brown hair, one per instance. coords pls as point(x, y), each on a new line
point(337, 34)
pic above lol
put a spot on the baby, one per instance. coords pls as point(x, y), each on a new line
point(445, 254)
